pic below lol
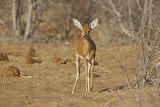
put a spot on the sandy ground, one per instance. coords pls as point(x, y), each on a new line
point(49, 84)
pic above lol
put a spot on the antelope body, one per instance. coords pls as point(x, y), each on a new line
point(85, 49)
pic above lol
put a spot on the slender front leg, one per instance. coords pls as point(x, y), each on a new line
point(88, 76)
point(78, 72)
point(92, 68)
point(86, 67)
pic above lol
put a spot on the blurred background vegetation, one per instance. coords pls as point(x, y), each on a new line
point(119, 21)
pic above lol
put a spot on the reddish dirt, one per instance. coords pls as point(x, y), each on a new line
point(50, 83)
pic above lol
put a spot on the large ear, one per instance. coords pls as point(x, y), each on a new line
point(77, 23)
point(94, 23)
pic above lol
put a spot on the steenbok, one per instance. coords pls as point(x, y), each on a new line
point(85, 49)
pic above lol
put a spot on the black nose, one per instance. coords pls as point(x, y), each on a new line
point(84, 36)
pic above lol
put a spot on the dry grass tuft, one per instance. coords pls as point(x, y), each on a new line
point(66, 61)
point(32, 52)
point(3, 57)
point(32, 57)
point(55, 59)
point(31, 60)
point(10, 71)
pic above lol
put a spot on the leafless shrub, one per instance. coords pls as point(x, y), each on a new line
point(143, 35)
point(119, 98)
point(26, 16)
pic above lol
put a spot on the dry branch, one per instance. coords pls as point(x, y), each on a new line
point(14, 15)
point(119, 98)
point(130, 15)
point(28, 19)
point(123, 67)
point(116, 14)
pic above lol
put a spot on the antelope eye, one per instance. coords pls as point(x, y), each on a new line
point(88, 31)
point(81, 31)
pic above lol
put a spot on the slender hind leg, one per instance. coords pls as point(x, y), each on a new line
point(88, 76)
point(78, 72)
point(92, 68)
point(86, 67)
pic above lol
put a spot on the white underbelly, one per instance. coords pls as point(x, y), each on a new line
point(83, 57)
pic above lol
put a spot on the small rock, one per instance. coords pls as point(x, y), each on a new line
point(10, 71)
